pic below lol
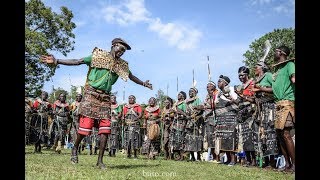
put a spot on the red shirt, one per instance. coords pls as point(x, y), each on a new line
point(136, 108)
point(155, 111)
point(210, 103)
point(37, 103)
point(58, 103)
point(248, 90)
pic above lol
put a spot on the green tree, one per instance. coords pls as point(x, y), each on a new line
point(54, 95)
point(277, 38)
point(45, 31)
point(73, 93)
point(143, 107)
point(160, 97)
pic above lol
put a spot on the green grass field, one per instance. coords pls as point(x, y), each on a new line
point(51, 165)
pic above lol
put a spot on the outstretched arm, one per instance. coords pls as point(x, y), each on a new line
point(258, 88)
point(50, 59)
point(138, 81)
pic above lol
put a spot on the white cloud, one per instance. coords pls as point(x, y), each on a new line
point(127, 13)
point(137, 11)
point(133, 11)
point(260, 2)
point(267, 7)
point(281, 8)
point(287, 7)
point(177, 35)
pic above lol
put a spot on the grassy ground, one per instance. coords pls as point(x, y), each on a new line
point(50, 165)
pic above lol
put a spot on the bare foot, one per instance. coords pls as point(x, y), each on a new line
point(101, 166)
point(74, 156)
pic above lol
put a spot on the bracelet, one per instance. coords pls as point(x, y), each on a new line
point(56, 62)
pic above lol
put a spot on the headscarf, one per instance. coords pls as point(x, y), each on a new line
point(184, 94)
point(211, 82)
point(263, 65)
point(225, 78)
point(195, 89)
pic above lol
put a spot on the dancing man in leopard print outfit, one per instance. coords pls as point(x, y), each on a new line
point(95, 110)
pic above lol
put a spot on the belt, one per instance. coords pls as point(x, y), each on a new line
point(132, 122)
point(97, 90)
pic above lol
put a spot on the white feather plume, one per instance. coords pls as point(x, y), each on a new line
point(267, 47)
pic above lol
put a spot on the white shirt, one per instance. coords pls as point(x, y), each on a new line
point(233, 95)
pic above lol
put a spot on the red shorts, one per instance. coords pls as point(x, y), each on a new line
point(86, 124)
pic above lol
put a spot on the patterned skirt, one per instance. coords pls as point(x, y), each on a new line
point(245, 133)
point(193, 139)
point(177, 135)
point(209, 131)
point(114, 136)
point(95, 104)
point(265, 137)
point(226, 139)
point(132, 137)
point(151, 146)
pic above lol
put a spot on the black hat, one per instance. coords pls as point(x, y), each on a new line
point(121, 41)
point(226, 78)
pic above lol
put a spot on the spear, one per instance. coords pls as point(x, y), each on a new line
point(193, 85)
point(70, 89)
point(122, 124)
point(123, 94)
point(177, 84)
point(54, 93)
point(209, 74)
point(194, 82)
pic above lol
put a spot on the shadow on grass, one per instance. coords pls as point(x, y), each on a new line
point(48, 152)
point(133, 166)
point(29, 153)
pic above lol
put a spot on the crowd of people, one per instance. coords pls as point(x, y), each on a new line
point(251, 124)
